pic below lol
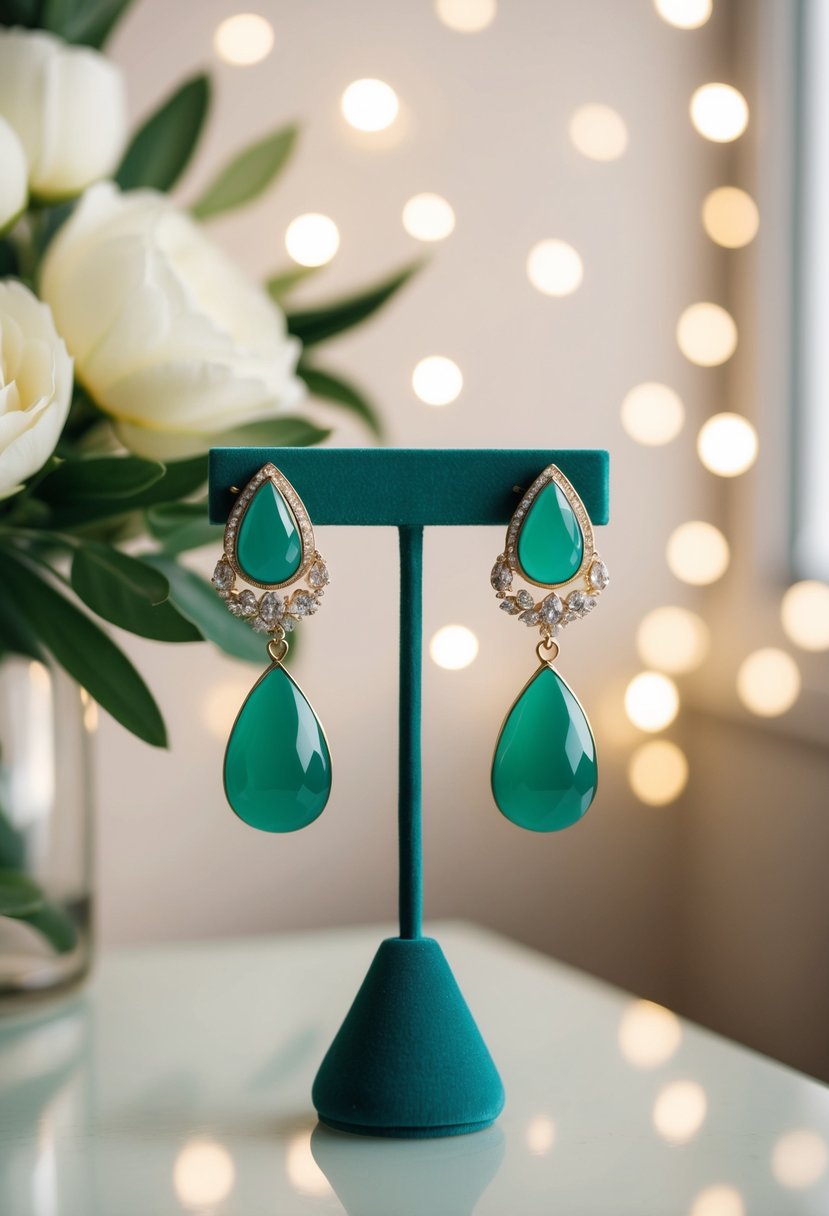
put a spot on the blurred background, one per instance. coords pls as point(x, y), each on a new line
point(622, 211)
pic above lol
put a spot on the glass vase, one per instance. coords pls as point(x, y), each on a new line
point(45, 832)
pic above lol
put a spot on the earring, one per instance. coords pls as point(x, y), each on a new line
point(544, 771)
point(277, 768)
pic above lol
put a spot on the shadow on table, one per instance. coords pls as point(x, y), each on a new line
point(375, 1177)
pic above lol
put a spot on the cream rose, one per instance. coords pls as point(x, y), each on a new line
point(68, 107)
point(13, 173)
point(169, 336)
point(35, 385)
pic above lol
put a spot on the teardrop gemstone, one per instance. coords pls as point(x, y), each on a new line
point(550, 543)
point(544, 773)
point(277, 765)
point(269, 545)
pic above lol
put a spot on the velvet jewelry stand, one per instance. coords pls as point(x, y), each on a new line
point(409, 1060)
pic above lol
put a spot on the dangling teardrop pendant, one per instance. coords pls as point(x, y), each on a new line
point(544, 771)
point(277, 770)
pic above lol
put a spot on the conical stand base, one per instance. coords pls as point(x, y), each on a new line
point(408, 1061)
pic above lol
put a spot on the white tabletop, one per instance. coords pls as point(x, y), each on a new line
point(180, 1082)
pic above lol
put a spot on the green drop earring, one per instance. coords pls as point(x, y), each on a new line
point(544, 771)
point(277, 768)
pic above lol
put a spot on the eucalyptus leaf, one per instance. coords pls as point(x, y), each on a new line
point(56, 925)
point(12, 844)
point(87, 653)
point(247, 175)
point(161, 150)
point(180, 526)
point(286, 431)
point(318, 324)
point(197, 600)
point(87, 22)
point(19, 895)
point(282, 284)
point(16, 634)
point(179, 479)
point(130, 593)
point(334, 388)
point(99, 477)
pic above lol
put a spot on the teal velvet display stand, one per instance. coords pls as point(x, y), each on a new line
point(409, 1060)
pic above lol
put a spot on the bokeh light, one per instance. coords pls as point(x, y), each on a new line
point(679, 1111)
point(768, 682)
point(652, 414)
point(598, 132)
point(651, 700)
point(453, 647)
point(649, 1034)
point(684, 14)
point(304, 1175)
point(697, 553)
point(554, 268)
point(718, 1201)
point(719, 112)
point(673, 639)
point(428, 217)
point(437, 380)
point(369, 105)
point(244, 39)
point(706, 334)
point(466, 16)
point(727, 445)
point(540, 1135)
point(799, 1158)
point(312, 239)
point(805, 614)
point(730, 217)
point(658, 772)
point(203, 1174)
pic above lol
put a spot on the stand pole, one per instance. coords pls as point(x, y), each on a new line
point(410, 827)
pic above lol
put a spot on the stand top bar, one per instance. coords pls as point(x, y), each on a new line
point(399, 487)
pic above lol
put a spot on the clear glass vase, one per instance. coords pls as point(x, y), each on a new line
point(45, 832)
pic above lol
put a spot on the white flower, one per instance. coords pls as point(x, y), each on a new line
point(68, 107)
point(169, 336)
point(35, 385)
point(13, 187)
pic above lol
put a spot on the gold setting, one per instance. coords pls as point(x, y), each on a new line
point(552, 613)
point(271, 614)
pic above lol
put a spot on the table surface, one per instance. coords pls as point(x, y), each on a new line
point(179, 1081)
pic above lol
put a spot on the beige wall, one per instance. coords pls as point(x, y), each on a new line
point(639, 895)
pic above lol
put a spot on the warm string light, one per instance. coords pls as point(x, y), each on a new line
point(719, 112)
point(706, 334)
point(466, 16)
point(244, 39)
point(651, 701)
point(673, 639)
point(697, 553)
point(652, 414)
point(649, 1034)
point(799, 1158)
point(554, 268)
point(428, 217)
point(658, 772)
point(684, 14)
point(730, 217)
point(203, 1174)
point(312, 239)
point(727, 445)
point(599, 132)
point(768, 682)
point(369, 105)
point(679, 1111)
point(805, 614)
point(437, 380)
point(718, 1201)
point(453, 647)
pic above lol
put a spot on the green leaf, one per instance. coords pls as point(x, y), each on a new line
point(129, 593)
point(197, 600)
point(86, 22)
point(99, 477)
point(280, 285)
point(161, 150)
point(16, 634)
point(12, 844)
point(319, 324)
point(181, 526)
point(334, 388)
point(20, 12)
point(247, 175)
point(287, 431)
point(180, 478)
point(85, 651)
point(19, 895)
point(56, 925)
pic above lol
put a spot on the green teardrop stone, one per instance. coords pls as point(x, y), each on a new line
point(550, 543)
point(269, 546)
point(277, 764)
point(544, 773)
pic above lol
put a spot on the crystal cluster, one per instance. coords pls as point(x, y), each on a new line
point(271, 613)
point(552, 613)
